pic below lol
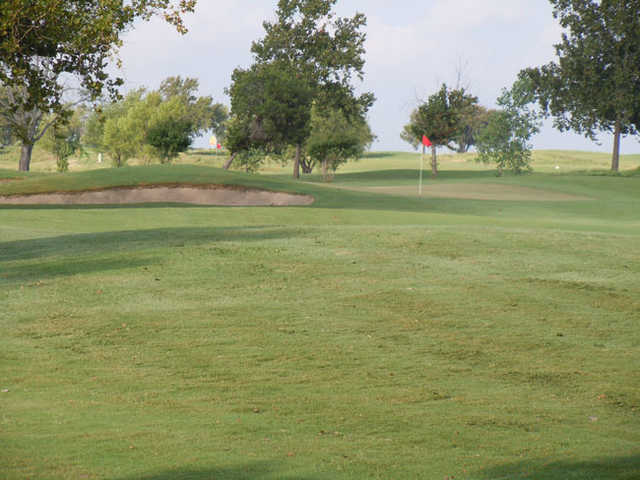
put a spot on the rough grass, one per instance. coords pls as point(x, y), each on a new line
point(367, 336)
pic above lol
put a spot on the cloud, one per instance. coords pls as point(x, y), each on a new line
point(219, 40)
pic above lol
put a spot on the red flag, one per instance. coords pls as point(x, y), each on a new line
point(426, 142)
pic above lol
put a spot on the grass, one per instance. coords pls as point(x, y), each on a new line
point(368, 336)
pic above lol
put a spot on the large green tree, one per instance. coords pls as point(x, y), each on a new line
point(442, 119)
point(271, 108)
point(595, 85)
point(320, 50)
point(43, 42)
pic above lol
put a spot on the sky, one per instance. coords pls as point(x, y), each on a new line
point(412, 47)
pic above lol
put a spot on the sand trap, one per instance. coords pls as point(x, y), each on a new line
point(479, 191)
point(196, 195)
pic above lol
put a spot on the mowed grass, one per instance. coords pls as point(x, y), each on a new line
point(371, 335)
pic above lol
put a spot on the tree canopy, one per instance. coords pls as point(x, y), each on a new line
point(315, 55)
point(158, 124)
point(595, 85)
point(441, 118)
point(335, 138)
point(505, 139)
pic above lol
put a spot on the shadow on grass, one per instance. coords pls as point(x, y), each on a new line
point(121, 242)
point(258, 471)
point(617, 468)
point(65, 266)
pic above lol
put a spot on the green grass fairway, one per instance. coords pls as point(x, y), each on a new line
point(488, 330)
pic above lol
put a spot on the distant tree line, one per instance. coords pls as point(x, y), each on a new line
point(594, 87)
point(156, 124)
point(297, 101)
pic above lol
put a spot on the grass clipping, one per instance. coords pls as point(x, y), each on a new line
point(195, 195)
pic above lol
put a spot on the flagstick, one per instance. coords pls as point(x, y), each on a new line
point(421, 167)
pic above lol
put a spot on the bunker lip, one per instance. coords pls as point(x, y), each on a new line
point(220, 195)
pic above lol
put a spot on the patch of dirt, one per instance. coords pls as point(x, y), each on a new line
point(195, 195)
point(479, 191)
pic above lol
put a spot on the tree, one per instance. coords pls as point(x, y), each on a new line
point(125, 126)
point(319, 50)
point(595, 86)
point(203, 113)
point(64, 140)
point(441, 119)
point(505, 139)
point(43, 43)
point(28, 125)
point(473, 120)
point(158, 124)
point(336, 139)
point(170, 130)
point(271, 107)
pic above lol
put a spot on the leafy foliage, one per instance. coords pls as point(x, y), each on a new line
point(473, 120)
point(64, 140)
point(125, 125)
point(28, 125)
point(170, 130)
point(336, 139)
point(595, 85)
point(506, 138)
point(42, 43)
point(307, 56)
point(441, 118)
point(203, 113)
point(158, 124)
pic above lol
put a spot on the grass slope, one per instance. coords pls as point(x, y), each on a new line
point(366, 336)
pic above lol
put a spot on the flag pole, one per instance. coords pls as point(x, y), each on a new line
point(421, 167)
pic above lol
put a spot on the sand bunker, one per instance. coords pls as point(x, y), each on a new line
point(196, 195)
point(479, 191)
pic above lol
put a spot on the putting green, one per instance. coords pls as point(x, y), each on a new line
point(476, 191)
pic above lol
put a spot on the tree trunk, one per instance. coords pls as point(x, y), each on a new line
point(434, 162)
point(296, 162)
point(25, 157)
point(615, 161)
point(325, 170)
point(228, 163)
point(306, 165)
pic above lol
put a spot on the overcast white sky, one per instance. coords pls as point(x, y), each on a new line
point(413, 46)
